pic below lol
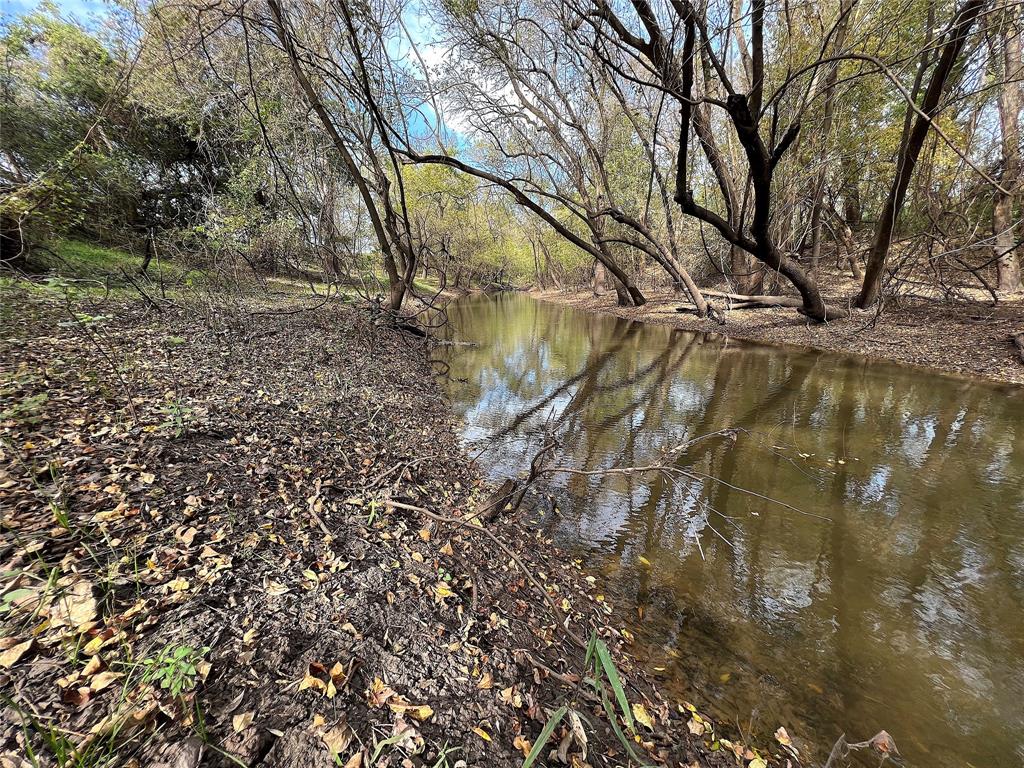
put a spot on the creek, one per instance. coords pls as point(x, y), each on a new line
point(852, 560)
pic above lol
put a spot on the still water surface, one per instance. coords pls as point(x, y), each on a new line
point(893, 599)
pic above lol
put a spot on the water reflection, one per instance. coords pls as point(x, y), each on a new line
point(902, 609)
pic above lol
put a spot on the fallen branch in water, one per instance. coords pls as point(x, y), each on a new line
point(882, 743)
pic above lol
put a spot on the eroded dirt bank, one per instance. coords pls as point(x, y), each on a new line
point(202, 563)
point(964, 339)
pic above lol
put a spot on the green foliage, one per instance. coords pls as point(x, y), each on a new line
point(545, 735)
point(602, 669)
point(83, 149)
point(177, 416)
point(174, 668)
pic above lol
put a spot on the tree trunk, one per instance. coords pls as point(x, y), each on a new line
point(1005, 249)
point(598, 278)
point(831, 77)
point(148, 255)
point(910, 149)
point(851, 253)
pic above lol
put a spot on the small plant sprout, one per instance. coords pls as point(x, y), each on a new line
point(174, 669)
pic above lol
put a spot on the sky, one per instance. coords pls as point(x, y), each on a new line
point(80, 9)
point(417, 26)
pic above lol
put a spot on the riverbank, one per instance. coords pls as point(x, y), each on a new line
point(242, 534)
point(974, 340)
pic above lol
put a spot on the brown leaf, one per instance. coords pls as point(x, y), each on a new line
point(338, 738)
point(10, 656)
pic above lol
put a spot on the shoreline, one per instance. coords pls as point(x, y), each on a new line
point(246, 462)
point(955, 341)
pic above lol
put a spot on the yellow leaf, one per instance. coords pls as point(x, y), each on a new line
point(486, 682)
point(757, 762)
point(782, 737)
point(645, 561)
point(422, 712)
point(640, 713)
point(482, 734)
point(379, 693)
point(442, 590)
point(523, 745)
point(243, 721)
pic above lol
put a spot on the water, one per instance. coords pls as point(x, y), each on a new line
point(903, 610)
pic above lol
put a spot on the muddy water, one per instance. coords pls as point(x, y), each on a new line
point(853, 560)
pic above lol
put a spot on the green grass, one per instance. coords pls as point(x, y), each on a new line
point(79, 259)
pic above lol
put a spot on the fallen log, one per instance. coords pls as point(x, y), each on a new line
point(764, 299)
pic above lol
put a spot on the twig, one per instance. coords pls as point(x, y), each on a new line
point(562, 620)
point(103, 352)
point(142, 293)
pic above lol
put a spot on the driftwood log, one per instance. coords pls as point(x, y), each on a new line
point(765, 301)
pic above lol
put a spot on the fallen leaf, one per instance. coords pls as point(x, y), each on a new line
point(379, 693)
point(642, 717)
point(486, 682)
point(523, 745)
point(338, 738)
point(243, 721)
point(10, 657)
point(103, 680)
point(482, 734)
point(441, 591)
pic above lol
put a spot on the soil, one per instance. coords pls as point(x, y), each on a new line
point(968, 338)
point(241, 534)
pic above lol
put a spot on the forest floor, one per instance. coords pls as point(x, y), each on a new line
point(236, 533)
point(964, 338)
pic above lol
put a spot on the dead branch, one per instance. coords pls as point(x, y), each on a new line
point(881, 743)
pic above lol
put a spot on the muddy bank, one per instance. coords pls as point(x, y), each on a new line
point(215, 552)
point(964, 339)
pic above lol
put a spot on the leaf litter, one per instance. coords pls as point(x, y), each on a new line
point(225, 582)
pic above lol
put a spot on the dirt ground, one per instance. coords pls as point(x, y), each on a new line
point(965, 338)
point(203, 562)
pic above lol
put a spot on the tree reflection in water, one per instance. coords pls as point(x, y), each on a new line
point(903, 610)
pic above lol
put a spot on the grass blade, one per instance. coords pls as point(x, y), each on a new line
point(613, 677)
point(545, 734)
point(623, 739)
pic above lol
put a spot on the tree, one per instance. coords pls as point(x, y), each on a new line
point(953, 43)
point(1010, 102)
